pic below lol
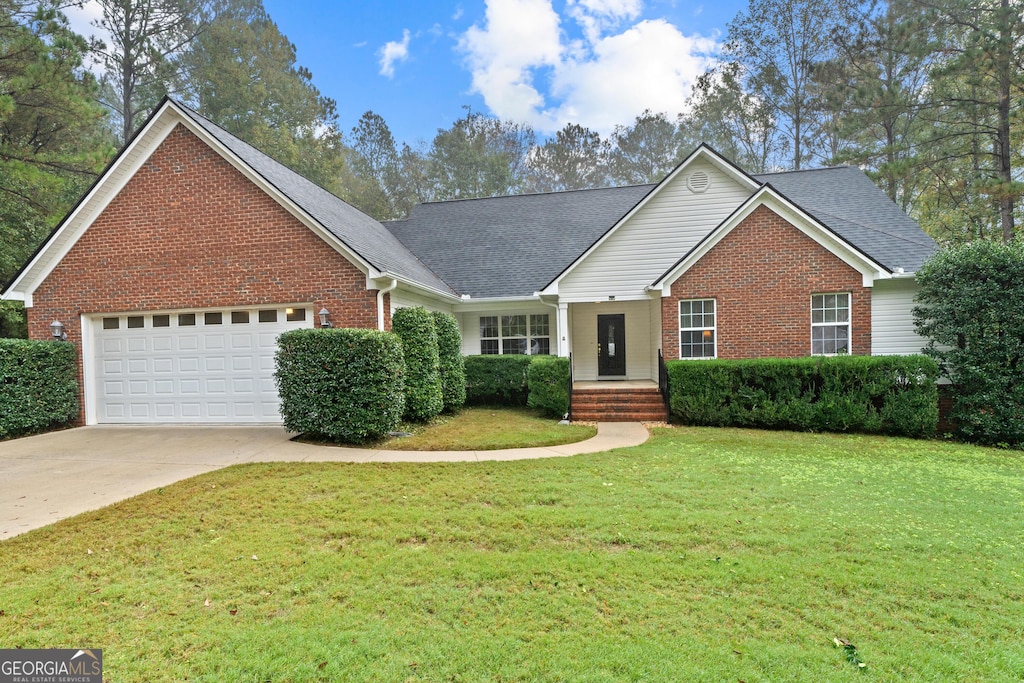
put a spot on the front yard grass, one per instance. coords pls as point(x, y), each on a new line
point(480, 428)
point(702, 555)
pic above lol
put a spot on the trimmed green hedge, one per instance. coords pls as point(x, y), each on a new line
point(340, 384)
point(38, 386)
point(415, 327)
point(548, 380)
point(874, 394)
point(451, 364)
point(497, 380)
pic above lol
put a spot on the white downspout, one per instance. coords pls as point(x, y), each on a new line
point(380, 302)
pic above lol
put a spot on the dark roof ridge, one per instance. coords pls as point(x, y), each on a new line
point(531, 194)
point(806, 170)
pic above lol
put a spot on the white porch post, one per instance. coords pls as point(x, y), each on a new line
point(563, 330)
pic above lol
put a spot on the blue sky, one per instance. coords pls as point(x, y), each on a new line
point(417, 63)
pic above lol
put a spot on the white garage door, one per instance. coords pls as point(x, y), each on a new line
point(190, 366)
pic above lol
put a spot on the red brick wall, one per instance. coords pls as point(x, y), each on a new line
point(190, 231)
point(762, 275)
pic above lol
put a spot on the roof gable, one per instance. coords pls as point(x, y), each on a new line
point(703, 153)
point(768, 196)
point(361, 239)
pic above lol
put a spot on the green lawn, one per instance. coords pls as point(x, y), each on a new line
point(480, 428)
point(703, 555)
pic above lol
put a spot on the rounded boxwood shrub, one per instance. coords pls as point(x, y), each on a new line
point(452, 365)
point(415, 328)
point(38, 386)
point(340, 384)
point(548, 379)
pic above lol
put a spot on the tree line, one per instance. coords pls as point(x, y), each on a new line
point(925, 95)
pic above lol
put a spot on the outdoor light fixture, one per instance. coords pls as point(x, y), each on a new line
point(325, 318)
point(57, 330)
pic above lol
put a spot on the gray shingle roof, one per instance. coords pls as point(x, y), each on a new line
point(512, 246)
point(364, 235)
point(845, 200)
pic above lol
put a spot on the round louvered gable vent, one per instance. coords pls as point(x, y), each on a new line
point(698, 182)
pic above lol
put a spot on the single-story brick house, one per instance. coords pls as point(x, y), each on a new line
point(176, 272)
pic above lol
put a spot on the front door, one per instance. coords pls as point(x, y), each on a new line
point(611, 345)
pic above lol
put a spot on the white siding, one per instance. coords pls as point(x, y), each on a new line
point(406, 299)
point(651, 241)
point(639, 346)
point(892, 325)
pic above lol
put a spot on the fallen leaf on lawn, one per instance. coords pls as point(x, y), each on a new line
point(232, 612)
point(88, 551)
point(255, 558)
point(206, 603)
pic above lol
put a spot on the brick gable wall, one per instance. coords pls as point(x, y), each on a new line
point(190, 231)
point(762, 275)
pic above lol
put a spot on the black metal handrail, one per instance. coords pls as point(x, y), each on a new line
point(662, 378)
point(568, 414)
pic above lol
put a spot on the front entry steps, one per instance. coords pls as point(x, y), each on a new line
point(617, 402)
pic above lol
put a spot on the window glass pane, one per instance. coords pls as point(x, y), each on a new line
point(136, 321)
point(111, 323)
point(541, 346)
point(269, 316)
point(186, 319)
point(489, 347)
point(489, 327)
point(513, 326)
point(513, 346)
point(294, 315)
point(161, 321)
point(239, 317)
point(213, 318)
point(539, 325)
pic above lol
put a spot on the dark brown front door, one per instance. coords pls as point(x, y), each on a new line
point(611, 345)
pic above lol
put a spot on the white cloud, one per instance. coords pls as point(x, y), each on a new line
point(520, 36)
point(621, 67)
point(392, 52)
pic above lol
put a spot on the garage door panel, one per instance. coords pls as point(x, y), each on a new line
point(182, 372)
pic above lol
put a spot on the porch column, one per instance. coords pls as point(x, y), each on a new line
point(563, 330)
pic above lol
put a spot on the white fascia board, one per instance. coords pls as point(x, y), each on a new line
point(124, 167)
point(840, 248)
point(702, 152)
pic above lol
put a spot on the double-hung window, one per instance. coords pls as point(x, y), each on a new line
point(697, 328)
point(830, 324)
point(517, 334)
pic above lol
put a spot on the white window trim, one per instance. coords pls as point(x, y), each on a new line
point(848, 323)
point(713, 328)
point(501, 338)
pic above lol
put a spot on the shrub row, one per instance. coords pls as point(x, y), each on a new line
point(497, 380)
point(38, 386)
point(341, 384)
point(875, 394)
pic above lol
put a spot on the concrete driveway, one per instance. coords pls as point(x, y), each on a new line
point(53, 476)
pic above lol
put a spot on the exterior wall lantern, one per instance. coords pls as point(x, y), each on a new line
point(57, 330)
point(325, 318)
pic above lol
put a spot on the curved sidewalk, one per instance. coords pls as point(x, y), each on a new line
point(53, 476)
